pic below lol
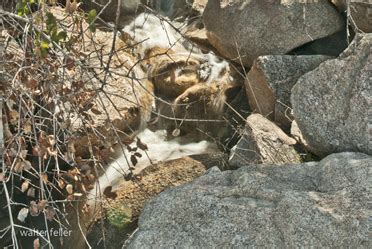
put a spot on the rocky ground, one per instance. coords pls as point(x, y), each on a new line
point(316, 204)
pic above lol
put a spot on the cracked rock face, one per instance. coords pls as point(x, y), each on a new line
point(360, 10)
point(270, 80)
point(263, 142)
point(249, 28)
point(316, 204)
point(332, 102)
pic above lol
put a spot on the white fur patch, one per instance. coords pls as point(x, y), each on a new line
point(159, 149)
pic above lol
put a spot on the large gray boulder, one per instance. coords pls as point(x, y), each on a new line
point(108, 9)
point(263, 142)
point(311, 205)
point(270, 81)
point(331, 103)
point(360, 13)
point(130, 8)
point(340, 4)
point(256, 27)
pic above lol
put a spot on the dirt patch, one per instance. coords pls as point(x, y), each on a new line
point(133, 195)
point(155, 179)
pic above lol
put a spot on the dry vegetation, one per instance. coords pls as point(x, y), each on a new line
point(59, 82)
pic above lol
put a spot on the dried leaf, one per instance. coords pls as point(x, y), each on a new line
point(51, 152)
point(25, 186)
point(39, 151)
point(2, 177)
point(61, 184)
point(14, 116)
point(18, 167)
point(31, 192)
point(74, 174)
point(71, 147)
point(42, 204)
point(141, 145)
point(36, 151)
point(70, 189)
point(108, 193)
point(26, 165)
point(49, 213)
point(176, 132)
point(36, 243)
point(51, 140)
point(96, 111)
point(130, 149)
point(91, 177)
point(137, 154)
point(128, 176)
point(44, 177)
point(32, 84)
point(34, 211)
point(23, 154)
point(43, 138)
point(22, 214)
point(134, 160)
point(70, 63)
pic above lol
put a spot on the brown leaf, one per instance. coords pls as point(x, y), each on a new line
point(32, 84)
point(91, 177)
point(70, 198)
point(96, 111)
point(51, 152)
point(26, 165)
point(42, 204)
point(128, 176)
point(134, 160)
point(43, 138)
point(39, 151)
point(2, 177)
point(137, 154)
point(35, 151)
point(74, 174)
point(51, 140)
point(61, 184)
point(18, 167)
point(130, 149)
point(141, 145)
point(44, 177)
point(14, 116)
point(108, 193)
point(70, 63)
point(27, 127)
